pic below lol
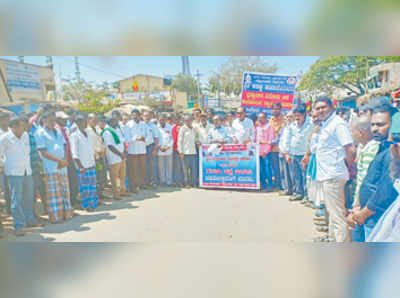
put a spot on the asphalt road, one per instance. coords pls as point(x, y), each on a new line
point(171, 215)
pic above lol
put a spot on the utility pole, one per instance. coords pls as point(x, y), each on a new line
point(77, 72)
point(198, 75)
point(4, 82)
point(49, 61)
point(367, 75)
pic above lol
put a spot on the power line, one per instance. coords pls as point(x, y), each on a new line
point(94, 68)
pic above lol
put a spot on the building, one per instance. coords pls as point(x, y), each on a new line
point(384, 80)
point(23, 86)
point(143, 83)
point(384, 76)
point(139, 88)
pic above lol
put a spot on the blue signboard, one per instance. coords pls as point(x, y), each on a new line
point(230, 166)
point(261, 91)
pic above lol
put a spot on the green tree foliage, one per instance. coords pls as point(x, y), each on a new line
point(185, 84)
point(229, 76)
point(345, 72)
point(94, 102)
point(91, 100)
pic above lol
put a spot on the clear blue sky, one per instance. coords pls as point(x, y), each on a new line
point(113, 68)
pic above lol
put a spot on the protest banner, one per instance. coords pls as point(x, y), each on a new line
point(230, 166)
point(260, 91)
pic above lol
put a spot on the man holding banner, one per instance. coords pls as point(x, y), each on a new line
point(244, 128)
point(218, 134)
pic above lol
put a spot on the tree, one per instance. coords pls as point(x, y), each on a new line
point(229, 76)
point(344, 72)
point(91, 100)
point(94, 102)
point(185, 84)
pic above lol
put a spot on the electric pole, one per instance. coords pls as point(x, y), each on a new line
point(49, 61)
point(77, 72)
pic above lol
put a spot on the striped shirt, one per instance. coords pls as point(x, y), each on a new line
point(365, 156)
point(36, 163)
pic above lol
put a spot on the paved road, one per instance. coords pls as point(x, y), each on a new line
point(181, 215)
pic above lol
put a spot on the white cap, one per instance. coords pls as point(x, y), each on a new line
point(61, 115)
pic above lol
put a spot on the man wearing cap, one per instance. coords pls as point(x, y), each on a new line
point(61, 119)
point(376, 192)
point(52, 147)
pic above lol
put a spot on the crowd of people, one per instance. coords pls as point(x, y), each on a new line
point(345, 165)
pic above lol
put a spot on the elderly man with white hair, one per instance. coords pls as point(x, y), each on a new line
point(366, 152)
point(187, 152)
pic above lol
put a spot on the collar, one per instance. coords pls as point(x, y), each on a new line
point(14, 136)
point(329, 119)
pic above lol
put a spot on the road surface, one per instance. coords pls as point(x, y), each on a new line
point(172, 215)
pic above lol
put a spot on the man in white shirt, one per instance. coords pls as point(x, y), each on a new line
point(4, 122)
point(15, 146)
point(334, 151)
point(197, 118)
point(136, 133)
point(152, 140)
point(100, 154)
point(230, 131)
point(116, 158)
point(244, 128)
point(283, 147)
point(187, 152)
point(165, 157)
point(83, 154)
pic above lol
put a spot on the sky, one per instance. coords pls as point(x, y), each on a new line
point(113, 68)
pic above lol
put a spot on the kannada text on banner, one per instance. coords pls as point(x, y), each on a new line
point(260, 91)
point(231, 166)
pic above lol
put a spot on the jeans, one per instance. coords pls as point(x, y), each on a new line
point(358, 234)
point(369, 225)
point(6, 190)
point(189, 170)
point(151, 166)
point(286, 177)
point(298, 175)
point(274, 158)
point(22, 200)
point(177, 169)
point(165, 168)
point(265, 172)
